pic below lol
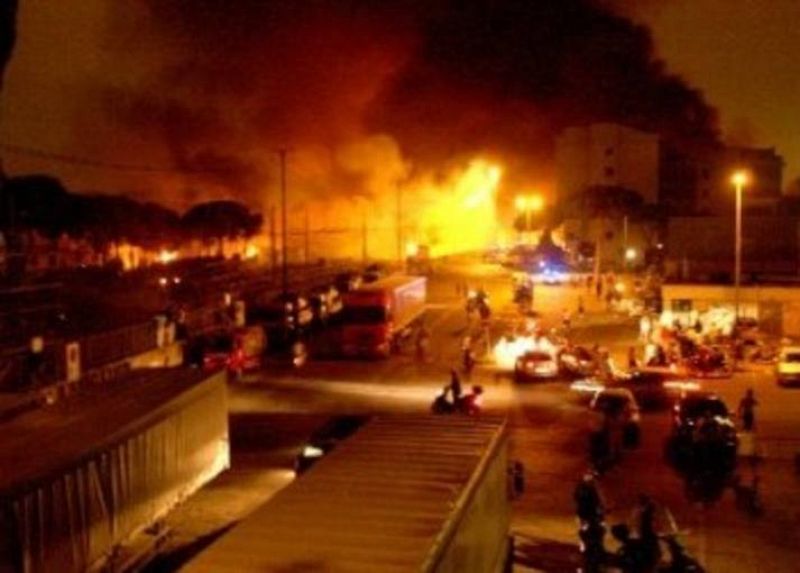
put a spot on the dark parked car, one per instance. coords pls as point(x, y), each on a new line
point(345, 282)
point(326, 439)
point(703, 433)
point(283, 318)
point(373, 273)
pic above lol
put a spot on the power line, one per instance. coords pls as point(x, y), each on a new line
point(96, 164)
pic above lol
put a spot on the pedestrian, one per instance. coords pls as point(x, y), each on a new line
point(581, 309)
point(746, 410)
point(455, 386)
point(566, 321)
point(645, 327)
point(423, 342)
point(647, 531)
point(633, 364)
point(589, 504)
point(468, 358)
point(599, 287)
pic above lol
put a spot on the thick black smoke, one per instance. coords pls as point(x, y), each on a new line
point(508, 76)
point(230, 81)
point(8, 33)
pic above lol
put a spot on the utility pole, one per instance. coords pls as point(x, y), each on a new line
point(273, 240)
point(364, 255)
point(307, 237)
point(399, 223)
point(284, 250)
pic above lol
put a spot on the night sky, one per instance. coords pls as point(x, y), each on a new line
point(363, 89)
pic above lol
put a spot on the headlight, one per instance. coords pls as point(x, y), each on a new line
point(312, 452)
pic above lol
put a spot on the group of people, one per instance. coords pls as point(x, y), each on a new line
point(639, 546)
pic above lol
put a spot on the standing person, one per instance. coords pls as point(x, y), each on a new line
point(633, 363)
point(423, 342)
point(467, 356)
point(455, 386)
point(647, 531)
point(566, 321)
point(581, 309)
point(645, 327)
point(589, 503)
point(746, 410)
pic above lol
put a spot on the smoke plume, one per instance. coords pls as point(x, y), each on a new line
point(8, 33)
point(420, 86)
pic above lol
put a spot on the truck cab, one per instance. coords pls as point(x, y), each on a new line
point(376, 316)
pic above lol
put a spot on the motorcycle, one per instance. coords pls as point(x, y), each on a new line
point(469, 404)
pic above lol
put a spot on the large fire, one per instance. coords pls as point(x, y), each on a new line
point(459, 213)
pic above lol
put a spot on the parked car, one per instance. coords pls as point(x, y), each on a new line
point(787, 371)
point(577, 361)
point(326, 439)
point(619, 404)
point(535, 365)
point(703, 433)
point(652, 390)
point(345, 282)
point(373, 272)
point(237, 352)
point(283, 318)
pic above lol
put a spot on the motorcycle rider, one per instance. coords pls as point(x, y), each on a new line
point(470, 403)
point(442, 404)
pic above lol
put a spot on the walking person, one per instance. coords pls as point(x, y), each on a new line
point(746, 410)
point(467, 356)
point(422, 343)
point(648, 537)
point(633, 363)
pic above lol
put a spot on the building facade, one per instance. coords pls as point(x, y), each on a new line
point(697, 179)
point(775, 307)
point(603, 155)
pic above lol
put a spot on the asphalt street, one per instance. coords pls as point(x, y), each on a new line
point(273, 412)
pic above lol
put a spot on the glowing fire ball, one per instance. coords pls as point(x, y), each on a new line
point(508, 349)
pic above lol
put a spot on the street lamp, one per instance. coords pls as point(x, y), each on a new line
point(739, 180)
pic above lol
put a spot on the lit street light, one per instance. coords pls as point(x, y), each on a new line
point(739, 180)
point(630, 254)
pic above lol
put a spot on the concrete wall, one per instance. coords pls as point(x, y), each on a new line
point(777, 307)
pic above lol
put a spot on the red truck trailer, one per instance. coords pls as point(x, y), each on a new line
point(377, 315)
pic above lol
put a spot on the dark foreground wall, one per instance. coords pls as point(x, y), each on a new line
point(87, 475)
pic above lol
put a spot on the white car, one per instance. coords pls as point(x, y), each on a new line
point(787, 370)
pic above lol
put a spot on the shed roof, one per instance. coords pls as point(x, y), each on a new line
point(385, 496)
point(41, 443)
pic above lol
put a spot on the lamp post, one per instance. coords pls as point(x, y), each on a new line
point(739, 180)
